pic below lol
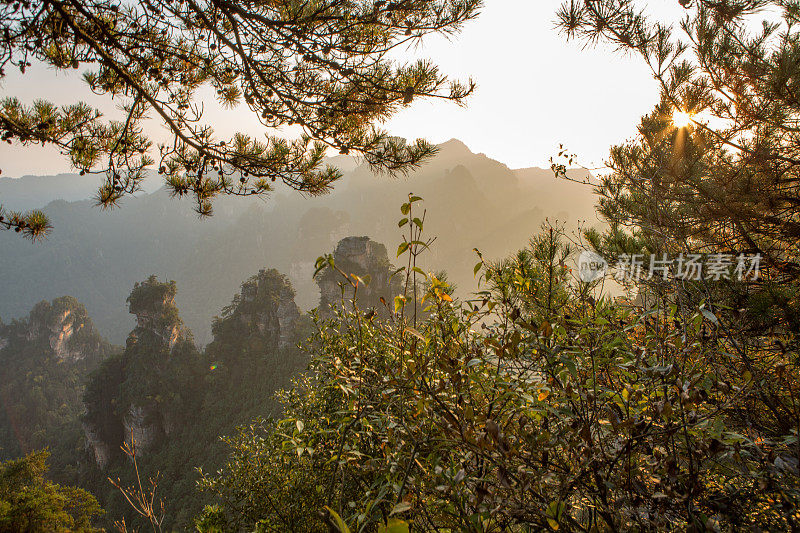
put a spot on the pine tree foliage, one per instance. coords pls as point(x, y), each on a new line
point(726, 181)
point(544, 260)
point(324, 65)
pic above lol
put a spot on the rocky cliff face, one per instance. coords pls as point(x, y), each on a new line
point(158, 330)
point(100, 450)
point(45, 359)
point(363, 257)
point(153, 303)
point(264, 309)
point(60, 336)
point(140, 428)
point(133, 401)
point(64, 325)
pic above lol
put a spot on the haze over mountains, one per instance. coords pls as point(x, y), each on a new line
point(34, 192)
point(96, 256)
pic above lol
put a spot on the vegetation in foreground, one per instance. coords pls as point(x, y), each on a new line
point(531, 407)
point(31, 503)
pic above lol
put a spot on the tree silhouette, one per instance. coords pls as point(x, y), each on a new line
point(323, 65)
point(716, 166)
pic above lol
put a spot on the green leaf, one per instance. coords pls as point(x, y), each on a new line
point(405, 208)
point(571, 367)
point(322, 263)
point(554, 512)
point(402, 248)
point(418, 222)
point(363, 280)
point(400, 507)
point(709, 315)
point(338, 522)
point(403, 222)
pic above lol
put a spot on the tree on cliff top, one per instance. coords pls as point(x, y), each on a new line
point(323, 65)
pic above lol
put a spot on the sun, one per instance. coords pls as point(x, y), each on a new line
point(681, 119)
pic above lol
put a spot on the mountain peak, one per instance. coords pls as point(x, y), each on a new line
point(153, 304)
point(454, 145)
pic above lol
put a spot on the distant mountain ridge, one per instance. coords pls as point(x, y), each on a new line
point(471, 201)
point(34, 192)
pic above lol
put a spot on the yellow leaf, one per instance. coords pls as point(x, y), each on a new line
point(543, 394)
point(416, 333)
point(340, 525)
point(394, 525)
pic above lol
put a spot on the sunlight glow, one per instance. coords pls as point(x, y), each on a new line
point(681, 119)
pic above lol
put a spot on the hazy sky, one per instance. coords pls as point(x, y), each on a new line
point(535, 90)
